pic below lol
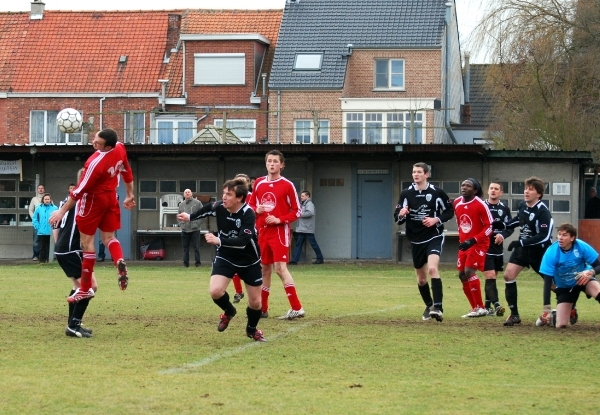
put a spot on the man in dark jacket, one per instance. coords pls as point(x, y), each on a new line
point(306, 229)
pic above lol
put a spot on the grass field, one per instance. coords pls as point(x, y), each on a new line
point(362, 348)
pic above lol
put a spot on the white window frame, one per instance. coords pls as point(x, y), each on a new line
point(139, 134)
point(176, 139)
point(246, 133)
point(51, 133)
point(375, 126)
point(308, 125)
point(390, 75)
point(219, 69)
point(308, 61)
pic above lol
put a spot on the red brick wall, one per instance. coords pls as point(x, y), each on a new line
point(423, 77)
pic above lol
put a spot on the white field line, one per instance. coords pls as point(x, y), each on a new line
point(236, 350)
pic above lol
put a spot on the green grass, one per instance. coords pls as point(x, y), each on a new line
point(362, 349)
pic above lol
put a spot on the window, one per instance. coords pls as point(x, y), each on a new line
point(451, 187)
point(220, 68)
point(354, 128)
point(8, 185)
point(208, 186)
point(175, 131)
point(245, 130)
point(308, 61)
point(304, 131)
point(389, 73)
point(561, 206)
point(168, 186)
point(384, 128)
point(373, 128)
point(147, 203)
point(147, 186)
point(136, 132)
point(187, 184)
point(43, 129)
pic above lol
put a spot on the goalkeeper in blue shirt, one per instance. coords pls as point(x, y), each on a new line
point(571, 265)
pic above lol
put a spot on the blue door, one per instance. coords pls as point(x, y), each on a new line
point(374, 236)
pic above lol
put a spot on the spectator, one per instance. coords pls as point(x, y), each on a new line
point(306, 229)
point(592, 207)
point(190, 231)
point(35, 202)
point(42, 226)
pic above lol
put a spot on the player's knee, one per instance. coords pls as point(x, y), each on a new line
point(432, 271)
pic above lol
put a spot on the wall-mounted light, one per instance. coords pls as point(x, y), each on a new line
point(32, 150)
point(398, 149)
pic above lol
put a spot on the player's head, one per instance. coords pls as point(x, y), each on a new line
point(109, 136)
point(568, 228)
point(420, 172)
point(476, 187)
point(275, 161)
point(495, 190)
point(238, 186)
point(536, 184)
point(71, 187)
point(243, 176)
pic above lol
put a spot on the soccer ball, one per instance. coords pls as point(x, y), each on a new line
point(69, 120)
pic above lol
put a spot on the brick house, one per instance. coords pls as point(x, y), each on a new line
point(378, 72)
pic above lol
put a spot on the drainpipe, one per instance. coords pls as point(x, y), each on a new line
point(278, 116)
point(101, 113)
point(447, 72)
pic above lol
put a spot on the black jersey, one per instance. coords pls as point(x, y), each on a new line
point(68, 235)
point(500, 213)
point(431, 202)
point(536, 225)
point(237, 232)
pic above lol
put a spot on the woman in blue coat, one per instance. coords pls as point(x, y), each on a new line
point(42, 226)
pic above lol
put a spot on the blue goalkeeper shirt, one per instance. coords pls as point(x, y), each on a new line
point(564, 266)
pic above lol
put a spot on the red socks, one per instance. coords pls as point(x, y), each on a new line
point(237, 284)
point(290, 290)
point(472, 290)
point(264, 296)
point(87, 269)
point(114, 247)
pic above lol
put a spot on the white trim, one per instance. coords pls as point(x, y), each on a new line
point(219, 55)
point(175, 101)
point(3, 95)
point(386, 104)
point(226, 36)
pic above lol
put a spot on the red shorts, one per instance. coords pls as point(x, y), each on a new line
point(473, 258)
point(274, 243)
point(98, 211)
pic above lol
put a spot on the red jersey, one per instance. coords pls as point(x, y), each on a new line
point(474, 220)
point(102, 172)
point(279, 198)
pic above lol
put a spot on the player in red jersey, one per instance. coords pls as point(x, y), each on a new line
point(474, 229)
point(275, 201)
point(98, 207)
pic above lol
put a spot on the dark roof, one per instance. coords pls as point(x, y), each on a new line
point(481, 98)
point(328, 26)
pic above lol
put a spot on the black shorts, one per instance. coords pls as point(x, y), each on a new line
point(528, 257)
point(250, 274)
point(70, 263)
point(420, 252)
point(494, 263)
point(570, 295)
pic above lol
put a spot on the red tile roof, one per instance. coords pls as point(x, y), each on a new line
point(78, 52)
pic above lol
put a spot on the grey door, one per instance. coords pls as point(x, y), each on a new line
point(374, 236)
point(124, 234)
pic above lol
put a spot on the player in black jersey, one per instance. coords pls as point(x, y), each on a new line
point(68, 253)
point(237, 253)
point(425, 208)
point(494, 260)
point(535, 222)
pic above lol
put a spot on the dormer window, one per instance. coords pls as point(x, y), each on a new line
point(308, 61)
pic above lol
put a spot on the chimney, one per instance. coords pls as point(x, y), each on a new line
point(37, 10)
point(173, 31)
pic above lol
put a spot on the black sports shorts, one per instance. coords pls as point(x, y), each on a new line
point(250, 274)
point(528, 257)
point(494, 263)
point(70, 263)
point(421, 251)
